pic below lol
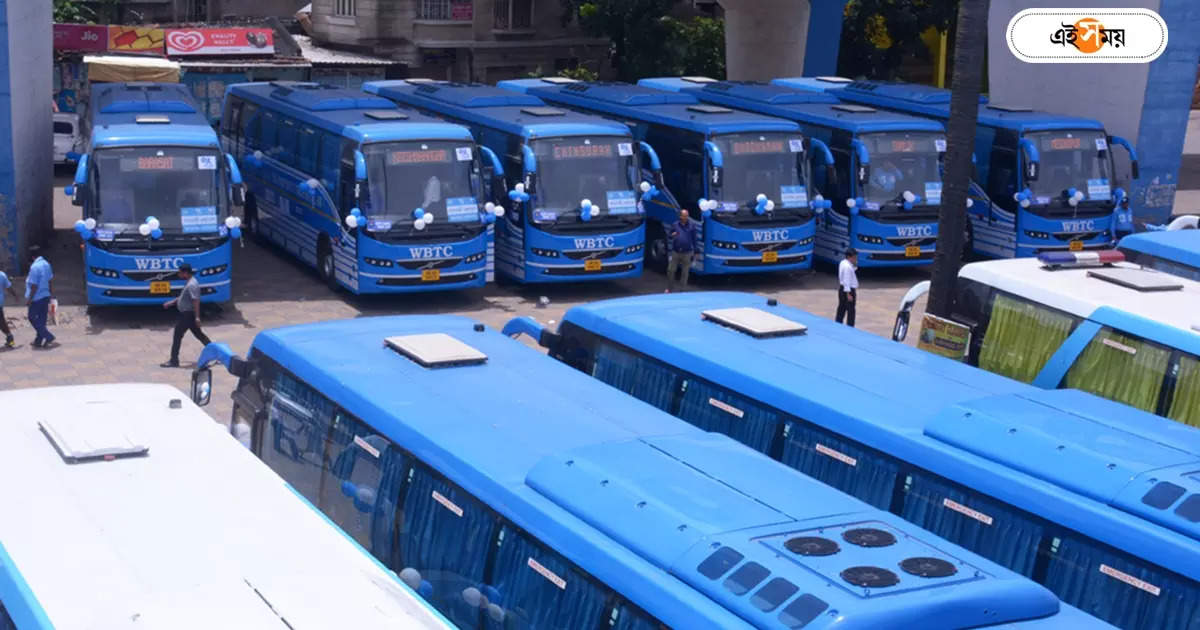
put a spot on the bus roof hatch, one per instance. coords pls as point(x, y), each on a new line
point(1137, 279)
point(755, 322)
point(436, 350)
point(92, 435)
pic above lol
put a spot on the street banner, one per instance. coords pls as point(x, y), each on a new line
point(220, 41)
point(80, 37)
point(944, 337)
point(137, 38)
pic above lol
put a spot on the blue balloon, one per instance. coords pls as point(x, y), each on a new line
point(348, 488)
point(585, 214)
point(490, 218)
point(854, 211)
point(760, 207)
point(706, 213)
point(1071, 192)
point(156, 234)
point(425, 589)
point(86, 234)
point(80, 227)
point(236, 232)
point(356, 212)
point(908, 205)
point(418, 213)
point(150, 218)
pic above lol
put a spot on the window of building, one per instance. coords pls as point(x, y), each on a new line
point(454, 10)
point(345, 7)
point(513, 14)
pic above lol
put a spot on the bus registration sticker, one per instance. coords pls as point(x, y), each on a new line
point(198, 219)
point(933, 192)
point(622, 202)
point(796, 145)
point(1099, 189)
point(447, 503)
point(624, 149)
point(548, 574)
point(793, 196)
point(463, 154)
point(1130, 580)
point(726, 407)
point(206, 162)
point(966, 511)
point(462, 209)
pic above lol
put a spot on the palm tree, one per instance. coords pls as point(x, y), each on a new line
point(970, 42)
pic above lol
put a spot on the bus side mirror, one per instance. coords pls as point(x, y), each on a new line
point(201, 386)
point(1030, 154)
point(1133, 169)
point(79, 189)
point(239, 194)
point(717, 177)
point(864, 174)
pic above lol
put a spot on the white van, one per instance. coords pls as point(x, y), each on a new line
point(66, 136)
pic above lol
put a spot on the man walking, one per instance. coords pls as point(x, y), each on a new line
point(682, 239)
point(38, 293)
point(188, 303)
point(847, 287)
point(6, 286)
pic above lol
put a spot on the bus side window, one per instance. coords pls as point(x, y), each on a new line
point(538, 588)
point(287, 141)
point(841, 166)
point(352, 492)
point(299, 421)
point(1184, 404)
point(268, 141)
point(984, 137)
point(1121, 367)
point(1002, 169)
point(1022, 336)
point(307, 149)
point(231, 122)
point(250, 126)
point(348, 182)
point(327, 164)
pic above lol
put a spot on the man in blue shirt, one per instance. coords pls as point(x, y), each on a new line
point(6, 285)
point(38, 292)
point(683, 237)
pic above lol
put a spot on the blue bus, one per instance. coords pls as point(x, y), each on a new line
point(881, 171)
point(377, 198)
point(1174, 251)
point(156, 193)
point(1044, 182)
point(574, 202)
point(1097, 501)
point(581, 507)
point(745, 172)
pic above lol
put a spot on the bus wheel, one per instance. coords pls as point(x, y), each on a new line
point(325, 267)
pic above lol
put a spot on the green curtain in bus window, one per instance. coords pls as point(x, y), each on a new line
point(1121, 368)
point(1185, 407)
point(1021, 337)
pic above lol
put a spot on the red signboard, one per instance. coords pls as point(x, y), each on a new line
point(462, 11)
point(220, 41)
point(80, 37)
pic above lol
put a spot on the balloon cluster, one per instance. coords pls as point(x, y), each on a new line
point(421, 219)
point(1074, 197)
point(909, 199)
point(518, 194)
point(151, 228)
point(587, 210)
point(1025, 197)
point(649, 191)
point(707, 206)
point(855, 204)
point(485, 599)
point(491, 212)
point(85, 228)
point(356, 219)
point(235, 226)
point(762, 205)
point(255, 159)
point(821, 204)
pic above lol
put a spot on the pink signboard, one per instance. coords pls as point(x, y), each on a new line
point(220, 41)
point(81, 37)
point(462, 11)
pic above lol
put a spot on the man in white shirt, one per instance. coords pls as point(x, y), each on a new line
point(847, 287)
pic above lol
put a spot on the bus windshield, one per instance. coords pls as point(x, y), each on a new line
point(179, 186)
point(434, 176)
point(599, 169)
point(762, 163)
point(1071, 159)
point(902, 161)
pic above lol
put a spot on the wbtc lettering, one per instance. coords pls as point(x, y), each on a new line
point(154, 264)
point(914, 230)
point(1079, 226)
point(770, 235)
point(595, 243)
point(432, 251)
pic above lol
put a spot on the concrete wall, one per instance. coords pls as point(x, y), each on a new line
point(1145, 103)
point(26, 213)
point(765, 39)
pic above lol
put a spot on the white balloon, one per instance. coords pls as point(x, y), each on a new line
point(428, 218)
point(970, 202)
point(1016, 196)
point(585, 203)
point(1078, 195)
point(496, 613)
point(760, 198)
point(770, 205)
point(154, 224)
point(144, 229)
point(411, 577)
point(645, 186)
point(909, 196)
point(818, 198)
point(89, 223)
point(489, 207)
point(499, 211)
point(231, 222)
point(352, 221)
point(313, 184)
point(1073, 201)
point(712, 204)
point(258, 155)
point(519, 187)
point(595, 211)
point(419, 224)
point(851, 202)
point(472, 596)
point(1024, 203)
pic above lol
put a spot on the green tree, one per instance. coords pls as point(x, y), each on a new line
point(638, 33)
point(879, 35)
point(696, 47)
point(970, 46)
point(73, 12)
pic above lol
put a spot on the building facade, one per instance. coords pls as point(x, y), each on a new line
point(461, 40)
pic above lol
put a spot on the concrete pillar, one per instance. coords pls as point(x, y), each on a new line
point(764, 39)
point(1147, 104)
point(26, 139)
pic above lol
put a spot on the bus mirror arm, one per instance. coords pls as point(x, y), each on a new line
point(494, 162)
point(864, 162)
point(517, 326)
point(76, 191)
point(360, 166)
point(655, 164)
point(1133, 159)
point(237, 186)
point(900, 329)
point(1032, 161)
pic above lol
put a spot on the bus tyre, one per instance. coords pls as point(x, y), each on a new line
point(325, 266)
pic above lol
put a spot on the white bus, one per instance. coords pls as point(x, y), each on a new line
point(126, 506)
point(1086, 320)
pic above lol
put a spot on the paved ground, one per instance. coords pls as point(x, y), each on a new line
point(271, 289)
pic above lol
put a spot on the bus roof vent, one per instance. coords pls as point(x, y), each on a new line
point(384, 114)
point(1137, 279)
point(435, 350)
point(835, 79)
point(1009, 108)
point(152, 119)
point(699, 80)
point(559, 80)
point(420, 81)
point(543, 111)
point(755, 322)
point(91, 436)
point(854, 109)
point(709, 109)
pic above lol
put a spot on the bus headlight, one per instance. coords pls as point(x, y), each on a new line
point(867, 238)
point(724, 244)
point(105, 273)
point(474, 258)
point(548, 253)
point(806, 241)
point(633, 249)
point(1035, 234)
point(378, 262)
point(212, 271)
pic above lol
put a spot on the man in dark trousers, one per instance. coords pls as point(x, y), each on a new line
point(683, 237)
point(39, 287)
point(847, 287)
point(188, 303)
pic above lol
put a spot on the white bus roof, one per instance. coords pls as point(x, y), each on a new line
point(1074, 291)
point(195, 533)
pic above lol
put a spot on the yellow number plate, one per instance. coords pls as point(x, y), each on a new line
point(431, 275)
point(770, 257)
point(160, 288)
point(592, 265)
point(1076, 246)
point(912, 251)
